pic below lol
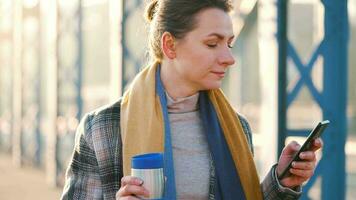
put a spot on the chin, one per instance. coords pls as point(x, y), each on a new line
point(213, 85)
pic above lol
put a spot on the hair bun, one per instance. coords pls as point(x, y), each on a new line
point(151, 10)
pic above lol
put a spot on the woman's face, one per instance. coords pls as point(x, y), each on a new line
point(204, 54)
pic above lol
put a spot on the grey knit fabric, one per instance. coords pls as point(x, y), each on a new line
point(190, 149)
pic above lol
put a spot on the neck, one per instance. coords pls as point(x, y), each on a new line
point(175, 86)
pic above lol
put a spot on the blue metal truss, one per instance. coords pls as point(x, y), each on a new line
point(304, 70)
point(332, 100)
point(127, 54)
point(31, 142)
point(70, 77)
point(6, 80)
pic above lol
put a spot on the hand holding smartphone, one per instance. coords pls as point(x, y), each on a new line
point(315, 133)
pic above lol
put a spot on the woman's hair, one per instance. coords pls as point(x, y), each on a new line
point(176, 17)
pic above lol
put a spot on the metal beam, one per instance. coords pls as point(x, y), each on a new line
point(332, 100)
point(17, 83)
point(282, 72)
point(49, 21)
point(335, 98)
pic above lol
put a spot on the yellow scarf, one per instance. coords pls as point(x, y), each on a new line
point(142, 128)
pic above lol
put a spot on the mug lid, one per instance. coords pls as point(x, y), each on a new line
point(147, 161)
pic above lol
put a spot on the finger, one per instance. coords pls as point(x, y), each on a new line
point(291, 148)
point(303, 165)
point(118, 197)
point(132, 198)
point(307, 156)
point(128, 198)
point(302, 173)
point(317, 144)
point(131, 181)
point(135, 190)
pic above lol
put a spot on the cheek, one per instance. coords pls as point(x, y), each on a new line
point(202, 61)
point(196, 65)
point(197, 54)
point(204, 55)
point(194, 57)
point(199, 71)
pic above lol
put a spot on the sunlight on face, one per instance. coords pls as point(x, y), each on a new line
point(204, 54)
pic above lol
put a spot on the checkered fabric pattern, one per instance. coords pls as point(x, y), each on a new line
point(95, 169)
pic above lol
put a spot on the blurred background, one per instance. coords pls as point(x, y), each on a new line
point(62, 58)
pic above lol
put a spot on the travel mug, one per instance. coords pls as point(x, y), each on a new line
point(149, 168)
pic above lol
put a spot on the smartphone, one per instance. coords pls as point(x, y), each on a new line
point(315, 133)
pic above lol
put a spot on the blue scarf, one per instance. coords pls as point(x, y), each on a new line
point(227, 183)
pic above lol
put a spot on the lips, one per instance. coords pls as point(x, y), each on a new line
point(219, 74)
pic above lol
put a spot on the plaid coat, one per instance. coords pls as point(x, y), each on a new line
point(95, 169)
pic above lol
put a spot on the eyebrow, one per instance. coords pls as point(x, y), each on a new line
point(220, 36)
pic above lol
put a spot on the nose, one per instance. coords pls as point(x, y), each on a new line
point(226, 58)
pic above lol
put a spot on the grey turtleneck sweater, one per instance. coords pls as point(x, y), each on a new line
point(191, 154)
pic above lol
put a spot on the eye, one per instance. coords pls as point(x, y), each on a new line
point(211, 45)
point(230, 46)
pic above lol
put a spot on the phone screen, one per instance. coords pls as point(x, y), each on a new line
point(315, 133)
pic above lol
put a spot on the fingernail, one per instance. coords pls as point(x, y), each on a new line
point(293, 164)
point(302, 155)
point(297, 146)
point(139, 181)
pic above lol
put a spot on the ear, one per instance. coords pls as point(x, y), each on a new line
point(168, 45)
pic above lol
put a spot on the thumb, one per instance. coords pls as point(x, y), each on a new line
point(291, 148)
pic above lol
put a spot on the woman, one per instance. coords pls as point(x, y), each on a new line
point(175, 106)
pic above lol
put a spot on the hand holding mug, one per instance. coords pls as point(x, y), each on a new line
point(146, 180)
point(131, 187)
